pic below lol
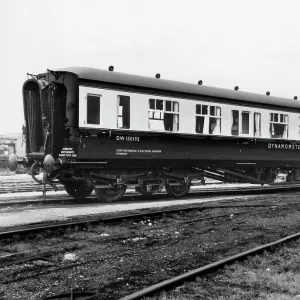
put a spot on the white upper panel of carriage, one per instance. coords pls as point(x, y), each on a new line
point(112, 109)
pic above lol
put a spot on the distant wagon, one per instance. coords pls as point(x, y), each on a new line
point(7, 145)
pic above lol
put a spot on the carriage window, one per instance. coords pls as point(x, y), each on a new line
point(163, 115)
point(245, 122)
point(123, 112)
point(257, 124)
point(208, 119)
point(93, 109)
point(235, 122)
point(152, 103)
point(159, 105)
point(279, 125)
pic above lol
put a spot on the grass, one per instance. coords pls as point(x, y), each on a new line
point(271, 276)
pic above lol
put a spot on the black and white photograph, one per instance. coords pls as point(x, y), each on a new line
point(150, 150)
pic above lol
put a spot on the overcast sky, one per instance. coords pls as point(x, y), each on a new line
point(254, 44)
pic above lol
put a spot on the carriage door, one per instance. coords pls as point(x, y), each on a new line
point(54, 117)
point(32, 114)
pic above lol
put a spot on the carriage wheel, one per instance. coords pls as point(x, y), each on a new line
point(111, 194)
point(177, 191)
point(79, 191)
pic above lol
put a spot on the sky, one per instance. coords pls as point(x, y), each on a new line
point(254, 44)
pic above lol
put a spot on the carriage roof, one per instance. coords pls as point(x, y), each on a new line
point(98, 75)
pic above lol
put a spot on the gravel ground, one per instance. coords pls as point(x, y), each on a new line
point(115, 261)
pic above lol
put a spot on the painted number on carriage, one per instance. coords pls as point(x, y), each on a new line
point(127, 138)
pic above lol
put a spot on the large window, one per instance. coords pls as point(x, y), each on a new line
point(241, 123)
point(123, 112)
point(93, 109)
point(279, 125)
point(163, 115)
point(235, 122)
point(208, 119)
point(245, 116)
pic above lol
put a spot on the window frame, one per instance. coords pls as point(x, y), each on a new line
point(279, 122)
point(249, 123)
point(162, 112)
point(238, 122)
point(86, 107)
point(209, 116)
point(254, 124)
point(129, 113)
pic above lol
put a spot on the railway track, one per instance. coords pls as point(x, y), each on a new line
point(84, 223)
point(216, 220)
point(132, 196)
point(26, 184)
point(21, 186)
point(12, 185)
point(150, 213)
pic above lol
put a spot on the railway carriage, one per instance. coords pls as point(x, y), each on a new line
point(93, 129)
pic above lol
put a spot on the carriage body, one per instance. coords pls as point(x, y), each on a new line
point(102, 130)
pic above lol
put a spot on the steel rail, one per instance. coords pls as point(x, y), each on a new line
point(133, 216)
point(84, 222)
point(162, 195)
point(123, 217)
point(32, 186)
point(167, 284)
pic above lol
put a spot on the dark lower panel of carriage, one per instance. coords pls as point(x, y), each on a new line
point(155, 150)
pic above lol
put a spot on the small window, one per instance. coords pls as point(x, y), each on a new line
point(235, 122)
point(163, 115)
point(93, 109)
point(168, 105)
point(257, 124)
point(245, 122)
point(204, 109)
point(159, 105)
point(208, 123)
point(123, 112)
point(279, 125)
point(152, 103)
